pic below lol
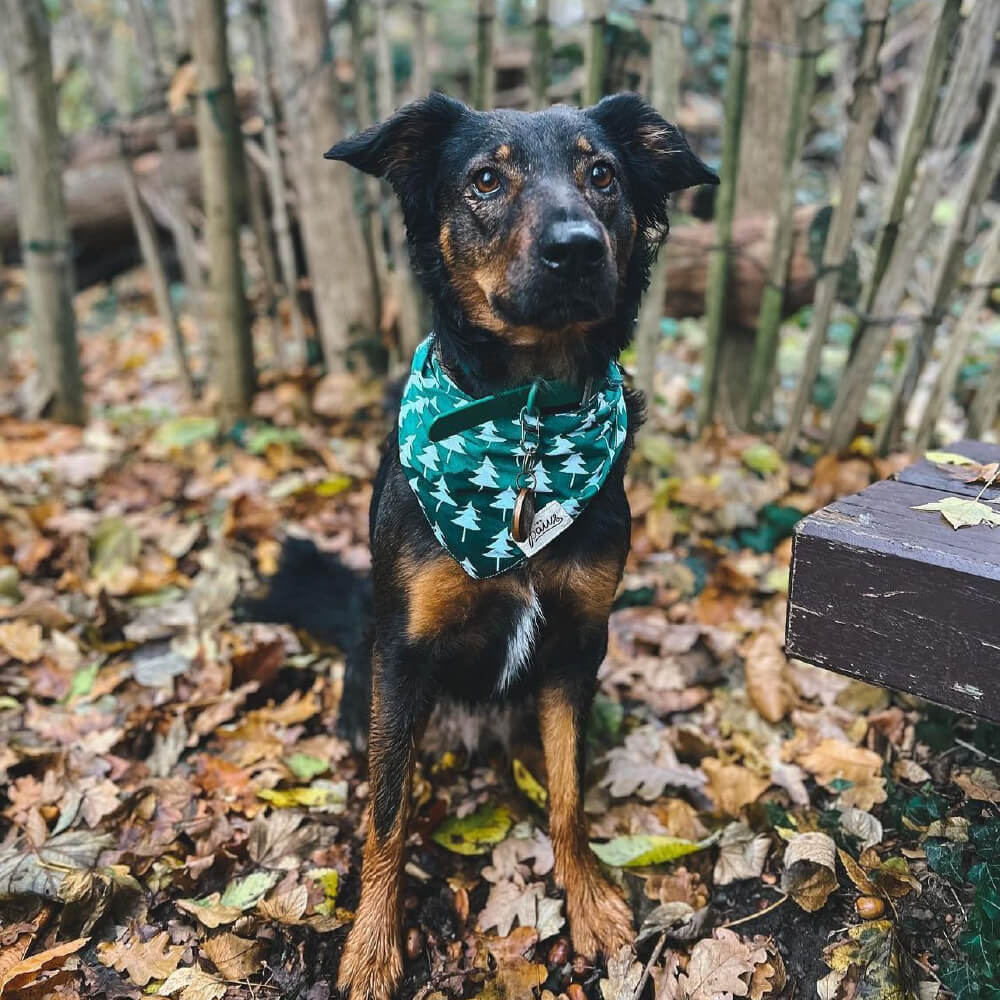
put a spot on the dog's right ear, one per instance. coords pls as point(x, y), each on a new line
point(399, 148)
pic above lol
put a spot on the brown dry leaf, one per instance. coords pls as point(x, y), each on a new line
point(142, 961)
point(907, 769)
point(766, 669)
point(979, 784)
point(732, 786)
point(285, 907)
point(190, 983)
point(742, 854)
point(810, 870)
point(833, 760)
point(520, 977)
point(646, 764)
point(23, 973)
point(21, 640)
point(770, 976)
point(718, 967)
point(857, 874)
point(235, 957)
point(624, 973)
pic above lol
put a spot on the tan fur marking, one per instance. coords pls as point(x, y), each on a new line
point(371, 966)
point(503, 152)
point(583, 145)
point(598, 917)
point(440, 594)
point(590, 587)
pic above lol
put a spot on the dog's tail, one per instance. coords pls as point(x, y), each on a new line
point(315, 592)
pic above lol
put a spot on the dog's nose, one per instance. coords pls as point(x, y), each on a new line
point(571, 247)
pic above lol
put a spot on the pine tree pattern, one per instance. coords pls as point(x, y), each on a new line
point(465, 483)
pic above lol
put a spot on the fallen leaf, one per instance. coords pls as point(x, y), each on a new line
point(530, 785)
point(190, 983)
point(742, 854)
point(810, 870)
point(719, 967)
point(948, 458)
point(51, 958)
point(646, 764)
point(732, 786)
point(475, 833)
point(649, 849)
point(235, 957)
point(21, 640)
point(861, 825)
point(979, 784)
point(963, 512)
point(834, 760)
point(624, 973)
point(766, 669)
point(142, 961)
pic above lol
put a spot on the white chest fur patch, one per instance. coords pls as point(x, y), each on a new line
point(521, 643)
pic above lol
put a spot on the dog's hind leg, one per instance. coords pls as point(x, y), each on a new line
point(599, 920)
point(372, 965)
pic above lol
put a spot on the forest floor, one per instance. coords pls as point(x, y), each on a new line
point(178, 817)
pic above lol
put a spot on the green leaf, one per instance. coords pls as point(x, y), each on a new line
point(326, 796)
point(945, 858)
point(634, 851)
point(182, 432)
point(763, 459)
point(329, 879)
point(475, 833)
point(115, 544)
point(305, 766)
point(962, 512)
point(948, 458)
point(961, 980)
point(242, 893)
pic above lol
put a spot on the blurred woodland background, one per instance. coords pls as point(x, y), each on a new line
point(201, 322)
point(847, 262)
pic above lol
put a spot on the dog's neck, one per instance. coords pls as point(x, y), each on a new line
point(483, 362)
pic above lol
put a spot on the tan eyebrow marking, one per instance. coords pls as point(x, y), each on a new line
point(583, 145)
point(503, 152)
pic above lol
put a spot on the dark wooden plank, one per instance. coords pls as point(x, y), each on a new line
point(898, 598)
point(924, 473)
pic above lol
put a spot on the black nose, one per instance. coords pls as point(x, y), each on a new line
point(571, 247)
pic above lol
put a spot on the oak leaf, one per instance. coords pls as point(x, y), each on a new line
point(719, 967)
point(732, 786)
point(142, 961)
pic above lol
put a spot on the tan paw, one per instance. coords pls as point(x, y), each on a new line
point(371, 967)
point(600, 921)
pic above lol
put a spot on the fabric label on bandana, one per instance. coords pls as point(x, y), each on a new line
point(465, 483)
point(550, 522)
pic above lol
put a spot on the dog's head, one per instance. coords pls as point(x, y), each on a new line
point(539, 224)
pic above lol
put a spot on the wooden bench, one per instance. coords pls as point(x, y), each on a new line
point(897, 597)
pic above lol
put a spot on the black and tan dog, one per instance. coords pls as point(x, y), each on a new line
point(532, 235)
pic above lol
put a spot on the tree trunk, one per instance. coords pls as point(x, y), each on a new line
point(421, 79)
point(175, 196)
point(666, 59)
point(486, 19)
point(407, 300)
point(986, 280)
point(41, 208)
point(863, 114)
point(343, 292)
point(276, 181)
point(715, 295)
point(221, 154)
point(594, 55)
point(810, 36)
point(766, 104)
point(541, 61)
point(872, 337)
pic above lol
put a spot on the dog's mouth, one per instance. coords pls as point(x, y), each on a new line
point(554, 305)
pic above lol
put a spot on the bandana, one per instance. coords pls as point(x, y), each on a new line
point(467, 483)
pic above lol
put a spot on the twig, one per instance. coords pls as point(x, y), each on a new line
point(759, 913)
point(649, 965)
point(977, 751)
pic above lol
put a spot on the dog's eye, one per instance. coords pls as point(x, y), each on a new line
point(601, 176)
point(486, 182)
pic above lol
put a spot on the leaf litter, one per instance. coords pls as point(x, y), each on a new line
point(178, 816)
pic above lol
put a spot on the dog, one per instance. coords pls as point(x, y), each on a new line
point(532, 235)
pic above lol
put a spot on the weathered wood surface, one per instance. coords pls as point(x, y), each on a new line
point(898, 598)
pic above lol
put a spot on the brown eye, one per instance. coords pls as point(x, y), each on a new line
point(486, 182)
point(601, 176)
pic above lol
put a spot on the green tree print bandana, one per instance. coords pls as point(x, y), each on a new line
point(467, 483)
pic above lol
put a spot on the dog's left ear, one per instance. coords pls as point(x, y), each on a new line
point(401, 148)
point(655, 153)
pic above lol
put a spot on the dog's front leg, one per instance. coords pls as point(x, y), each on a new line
point(599, 920)
point(372, 965)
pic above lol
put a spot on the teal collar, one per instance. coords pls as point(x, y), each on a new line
point(468, 460)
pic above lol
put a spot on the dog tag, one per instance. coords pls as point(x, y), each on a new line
point(548, 523)
point(524, 515)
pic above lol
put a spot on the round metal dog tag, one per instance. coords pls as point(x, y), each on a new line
point(524, 514)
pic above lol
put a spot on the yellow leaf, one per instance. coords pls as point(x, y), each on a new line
point(324, 796)
point(329, 879)
point(475, 833)
point(235, 957)
point(530, 785)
